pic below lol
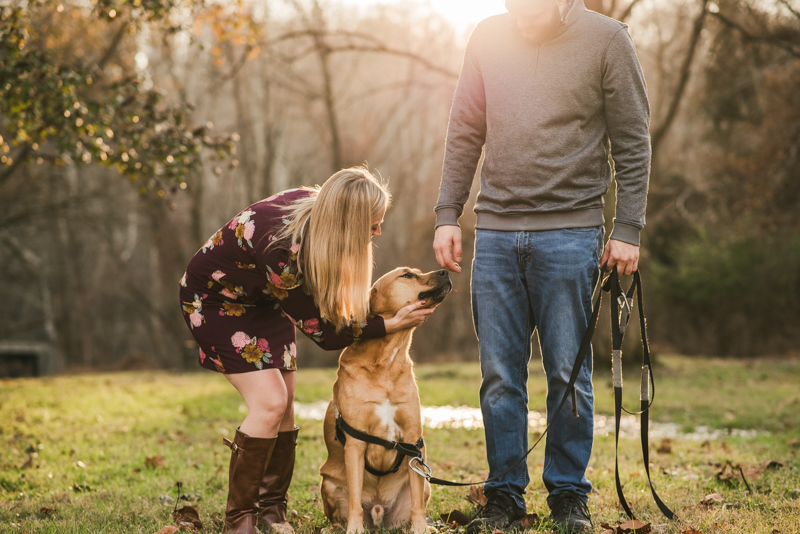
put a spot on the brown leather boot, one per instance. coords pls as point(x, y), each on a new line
point(249, 459)
point(275, 484)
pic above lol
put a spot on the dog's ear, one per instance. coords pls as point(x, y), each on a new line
point(373, 300)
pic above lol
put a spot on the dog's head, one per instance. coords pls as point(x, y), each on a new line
point(404, 285)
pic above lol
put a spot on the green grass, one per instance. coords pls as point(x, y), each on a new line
point(91, 436)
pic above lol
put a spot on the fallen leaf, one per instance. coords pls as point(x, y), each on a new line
point(456, 517)
point(29, 462)
point(80, 464)
point(634, 525)
point(665, 447)
point(154, 462)
point(691, 530)
point(169, 529)
point(475, 494)
point(772, 465)
point(710, 499)
point(45, 510)
point(188, 514)
point(529, 520)
point(727, 473)
point(217, 520)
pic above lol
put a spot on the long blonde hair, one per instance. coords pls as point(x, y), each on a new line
point(333, 225)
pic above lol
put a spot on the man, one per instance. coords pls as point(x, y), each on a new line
point(546, 90)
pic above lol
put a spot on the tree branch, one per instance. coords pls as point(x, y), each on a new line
point(112, 48)
point(686, 68)
point(790, 8)
point(770, 39)
point(380, 49)
point(18, 160)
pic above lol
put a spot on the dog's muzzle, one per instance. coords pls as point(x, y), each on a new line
point(438, 293)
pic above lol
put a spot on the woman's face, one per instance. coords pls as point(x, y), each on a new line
point(376, 224)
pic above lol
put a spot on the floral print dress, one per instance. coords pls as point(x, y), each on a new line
point(242, 302)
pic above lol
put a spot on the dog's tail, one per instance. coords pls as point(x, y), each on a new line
point(377, 515)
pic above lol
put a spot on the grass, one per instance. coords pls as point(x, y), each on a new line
point(74, 449)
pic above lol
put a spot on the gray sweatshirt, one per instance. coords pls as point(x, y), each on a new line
point(547, 117)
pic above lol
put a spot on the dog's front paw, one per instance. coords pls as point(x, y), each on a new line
point(355, 528)
point(422, 527)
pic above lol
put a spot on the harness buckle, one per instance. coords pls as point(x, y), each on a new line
point(422, 469)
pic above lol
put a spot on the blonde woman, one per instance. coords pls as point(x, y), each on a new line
point(301, 258)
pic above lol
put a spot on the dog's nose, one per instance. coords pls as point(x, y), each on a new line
point(441, 272)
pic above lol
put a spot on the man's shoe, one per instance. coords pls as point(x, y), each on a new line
point(569, 513)
point(500, 511)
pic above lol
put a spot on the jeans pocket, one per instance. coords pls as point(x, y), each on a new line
point(601, 234)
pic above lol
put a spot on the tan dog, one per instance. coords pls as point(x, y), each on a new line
point(376, 393)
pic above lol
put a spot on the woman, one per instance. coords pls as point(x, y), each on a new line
point(301, 258)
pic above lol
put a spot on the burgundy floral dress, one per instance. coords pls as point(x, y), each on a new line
point(242, 302)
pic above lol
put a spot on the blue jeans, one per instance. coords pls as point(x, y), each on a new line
point(522, 281)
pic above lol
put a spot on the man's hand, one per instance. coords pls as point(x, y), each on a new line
point(446, 245)
point(623, 256)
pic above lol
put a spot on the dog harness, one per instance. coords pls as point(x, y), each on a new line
point(413, 450)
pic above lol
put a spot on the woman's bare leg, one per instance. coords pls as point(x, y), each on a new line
point(289, 380)
point(266, 395)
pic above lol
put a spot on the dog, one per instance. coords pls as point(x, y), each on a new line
point(376, 393)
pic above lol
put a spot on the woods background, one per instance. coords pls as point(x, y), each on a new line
point(130, 130)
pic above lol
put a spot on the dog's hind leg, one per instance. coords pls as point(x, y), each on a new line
point(354, 467)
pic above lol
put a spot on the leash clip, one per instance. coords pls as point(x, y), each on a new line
point(422, 469)
point(624, 312)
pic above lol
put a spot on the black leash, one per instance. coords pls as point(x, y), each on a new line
point(620, 314)
point(421, 468)
point(621, 305)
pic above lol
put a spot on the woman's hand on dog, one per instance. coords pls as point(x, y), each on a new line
point(407, 317)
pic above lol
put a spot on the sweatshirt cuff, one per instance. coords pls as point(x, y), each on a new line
point(626, 233)
point(447, 217)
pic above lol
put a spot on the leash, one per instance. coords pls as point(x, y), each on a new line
point(621, 306)
point(620, 314)
point(417, 464)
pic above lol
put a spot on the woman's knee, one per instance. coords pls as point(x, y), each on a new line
point(269, 406)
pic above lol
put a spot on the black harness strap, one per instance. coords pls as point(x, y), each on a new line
point(413, 450)
point(620, 313)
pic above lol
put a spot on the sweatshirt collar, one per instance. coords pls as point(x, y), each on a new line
point(573, 13)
